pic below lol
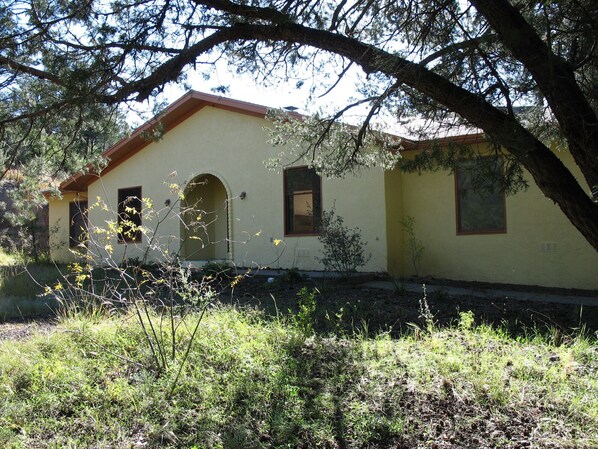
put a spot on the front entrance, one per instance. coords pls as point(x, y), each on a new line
point(204, 220)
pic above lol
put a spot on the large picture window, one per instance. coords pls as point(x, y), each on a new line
point(129, 215)
point(77, 223)
point(303, 202)
point(480, 199)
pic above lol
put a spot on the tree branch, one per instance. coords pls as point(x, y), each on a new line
point(549, 173)
point(467, 44)
point(40, 74)
point(248, 12)
point(555, 78)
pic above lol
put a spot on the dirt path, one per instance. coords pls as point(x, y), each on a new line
point(19, 330)
point(345, 307)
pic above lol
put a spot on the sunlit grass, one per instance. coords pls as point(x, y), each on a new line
point(252, 382)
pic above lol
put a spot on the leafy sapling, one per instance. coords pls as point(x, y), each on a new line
point(416, 247)
point(342, 248)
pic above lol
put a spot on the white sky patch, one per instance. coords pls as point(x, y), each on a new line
point(308, 98)
point(277, 95)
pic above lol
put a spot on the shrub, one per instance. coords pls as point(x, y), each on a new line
point(291, 276)
point(416, 247)
point(217, 270)
point(343, 250)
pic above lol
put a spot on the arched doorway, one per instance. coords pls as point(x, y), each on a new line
point(204, 220)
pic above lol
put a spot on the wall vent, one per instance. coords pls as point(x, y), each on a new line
point(548, 247)
point(302, 252)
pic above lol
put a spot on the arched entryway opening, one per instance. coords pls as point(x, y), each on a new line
point(205, 220)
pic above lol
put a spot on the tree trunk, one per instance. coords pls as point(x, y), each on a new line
point(555, 78)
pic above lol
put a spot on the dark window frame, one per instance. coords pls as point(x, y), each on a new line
point(78, 207)
point(458, 208)
point(123, 195)
point(288, 232)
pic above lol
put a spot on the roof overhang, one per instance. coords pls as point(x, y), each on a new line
point(184, 108)
point(176, 113)
point(461, 139)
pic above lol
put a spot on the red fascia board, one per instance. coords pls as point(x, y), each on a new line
point(463, 139)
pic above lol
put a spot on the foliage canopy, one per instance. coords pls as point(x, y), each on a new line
point(522, 71)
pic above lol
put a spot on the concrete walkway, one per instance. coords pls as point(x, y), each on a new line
point(487, 293)
point(414, 287)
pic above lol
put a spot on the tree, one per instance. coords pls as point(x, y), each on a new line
point(35, 153)
point(523, 71)
point(55, 143)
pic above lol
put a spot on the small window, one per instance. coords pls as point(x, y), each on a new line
point(77, 223)
point(303, 202)
point(480, 199)
point(129, 215)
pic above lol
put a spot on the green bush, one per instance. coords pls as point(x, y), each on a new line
point(304, 318)
point(291, 276)
point(342, 247)
point(216, 270)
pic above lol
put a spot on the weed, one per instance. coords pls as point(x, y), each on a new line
point(425, 314)
point(336, 321)
point(466, 321)
point(142, 286)
point(399, 287)
point(306, 304)
point(416, 247)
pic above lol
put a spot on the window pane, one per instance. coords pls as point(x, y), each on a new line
point(303, 213)
point(298, 179)
point(481, 202)
point(302, 201)
point(77, 223)
point(129, 214)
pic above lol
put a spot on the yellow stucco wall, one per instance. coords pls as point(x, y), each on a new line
point(58, 219)
point(518, 256)
point(394, 215)
point(233, 148)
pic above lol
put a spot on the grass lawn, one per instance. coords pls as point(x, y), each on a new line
point(253, 382)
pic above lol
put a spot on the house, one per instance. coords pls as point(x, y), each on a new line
point(211, 155)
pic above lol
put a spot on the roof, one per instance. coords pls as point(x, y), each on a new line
point(176, 113)
point(185, 107)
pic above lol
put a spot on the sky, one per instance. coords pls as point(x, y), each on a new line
point(283, 94)
point(307, 98)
